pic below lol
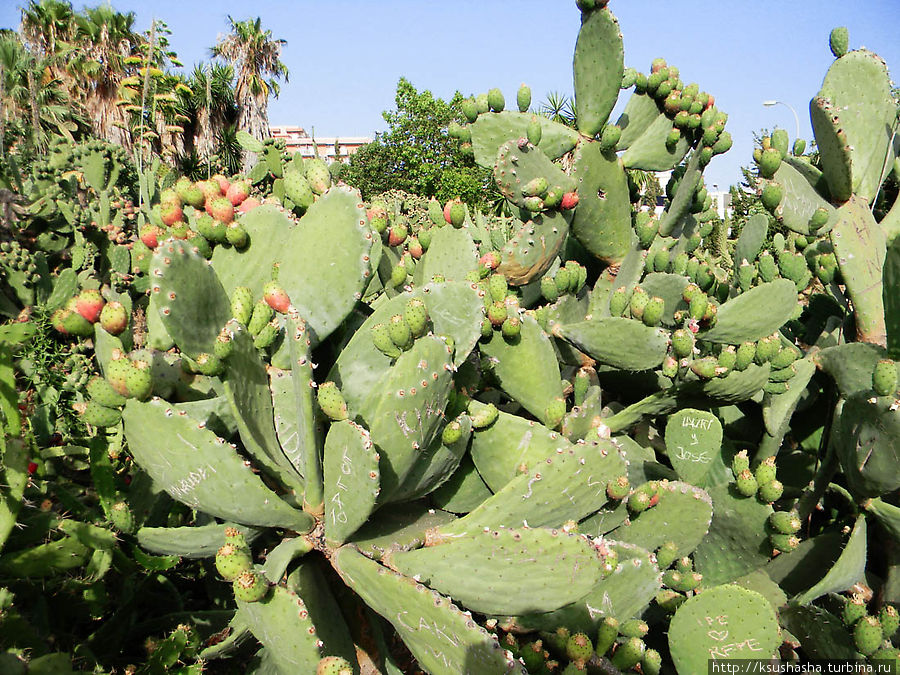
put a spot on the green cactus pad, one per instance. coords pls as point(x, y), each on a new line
point(849, 568)
point(351, 479)
point(602, 225)
point(199, 469)
point(682, 515)
point(247, 390)
point(801, 200)
point(399, 527)
point(753, 236)
point(725, 622)
point(868, 444)
point(191, 302)
point(557, 568)
point(489, 132)
point(833, 146)
point(850, 365)
point(451, 254)
point(618, 342)
point(737, 542)
point(778, 408)
point(821, 634)
point(891, 279)
point(669, 287)
point(517, 165)
point(437, 463)
point(455, 310)
point(527, 368)
point(531, 499)
point(680, 205)
point(651, 152)
point(859, 88)
point(282, 623)
point(860, 247)
point(499, 449)
point(640, 112)
point(441, 637)
point(464, 491)
point(755, 314)
point(531, 250)
point(406, 407)
point(627, 591)
point(598, 67)
point(201, 541)
point(693, 441)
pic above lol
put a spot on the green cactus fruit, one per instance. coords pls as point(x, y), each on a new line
point(533, 204)
point(698, 305)
point(579, 648)
point(785, 543)
point(634, 628)
point(639, 300)
point(661, 260)
point(72, 323)
point(398, 275)
point(381, 337)
point(884, 378)
point(839, 41)
point(727, 358)
point(117, 372)
point(771, 196)
point(746, 483)
point(511, 328)
point(799, 147)
point(534, 130)
point(785, 522)
point(498, 287)
point(646, 227)
point(334, 665)
point(425, 238)
point(769, 162)
point(549, 289)
point(609, 137)
point(890, 621)
point(673, 579)
point(653, 311)
point(745, 354)
point(497, 314)
point(666, 554)
point(889, 654)
point(607, 633)
point(487, 329)
point(638, 502)
point(237, 236)
point(767, 348)
point(224, 344)
point(416, 316)
point(618, 488)
point(484, 416)
point(628, 653)
point(780, 141)
point(533, 656)
point(495, 99)
point(250, 586)
point(233, 559)
point(259, 319)
point(706, 368)
point(555, 412)
point(770, 492)
point(99, 415)
point(740, 463)
point(784, 358)
point(209, 364)
point(682, 343)
point(138, 380)
point(121, 517)
point(469, 109)
point(651, 662)
point(618, 301)
point(455, 212)
point(298, 190)
point(332, 402)
point(317, 175)
point(451, 433)
point(523, 98)
point(397, 234)
point(103, 393)
point(670, 600)
point(267, 336)
point(854, 609)
point(400, 333)
point(536, 187)
point(669, 366)
point(765, 472)
point(867, 635)
point(242, 304)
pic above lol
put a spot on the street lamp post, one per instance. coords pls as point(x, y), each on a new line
point(769, 104)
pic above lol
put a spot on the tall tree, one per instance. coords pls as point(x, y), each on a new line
point(211, 107)
point(255, 56)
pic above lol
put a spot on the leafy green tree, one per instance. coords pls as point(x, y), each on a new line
point(416, 155)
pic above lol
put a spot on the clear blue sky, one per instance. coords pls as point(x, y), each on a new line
point(346, 56)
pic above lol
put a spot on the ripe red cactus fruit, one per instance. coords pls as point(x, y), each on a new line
point(276, 297)
point(248, 204)
point(569, 201)
point(171, 213)
point(238, 192)
point(150, 235)
point(89, 303)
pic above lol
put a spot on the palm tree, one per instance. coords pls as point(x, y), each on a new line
point(211, 107)
point(254, 55)
point(559, 108)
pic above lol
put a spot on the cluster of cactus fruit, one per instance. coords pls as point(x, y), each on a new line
point(563, 420)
